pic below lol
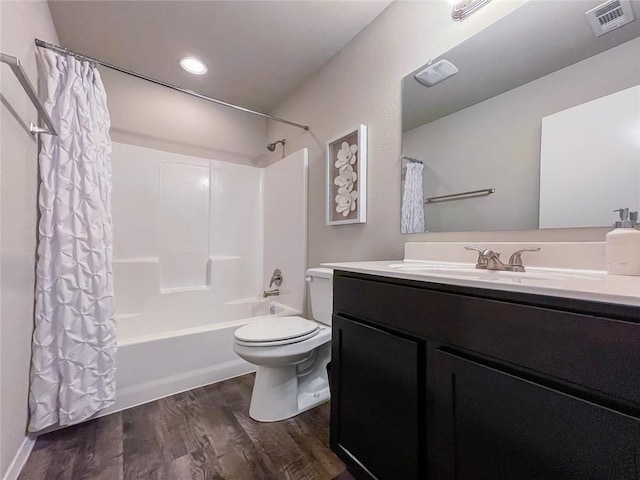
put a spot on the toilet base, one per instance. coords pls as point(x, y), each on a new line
point(284, 392)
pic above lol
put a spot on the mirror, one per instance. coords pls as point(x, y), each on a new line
point(481, 129)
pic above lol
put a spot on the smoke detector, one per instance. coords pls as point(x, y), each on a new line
point(609, 16)
point(436, 73)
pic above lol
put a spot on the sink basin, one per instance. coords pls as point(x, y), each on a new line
point(461, 270)
point(410, 266)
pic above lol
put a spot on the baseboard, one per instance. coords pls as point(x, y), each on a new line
point(129, 397)
point(20, 458)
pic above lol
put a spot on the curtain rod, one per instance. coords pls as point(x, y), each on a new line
point(65, 51)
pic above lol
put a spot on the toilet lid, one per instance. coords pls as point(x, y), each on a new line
point(275, 329)
point(277, 343)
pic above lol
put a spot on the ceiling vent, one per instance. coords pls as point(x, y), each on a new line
point(609, 16)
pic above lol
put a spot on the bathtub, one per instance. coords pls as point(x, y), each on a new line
point(160, 364)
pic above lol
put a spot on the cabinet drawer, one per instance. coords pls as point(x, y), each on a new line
point(492, 425)
point(598, 353)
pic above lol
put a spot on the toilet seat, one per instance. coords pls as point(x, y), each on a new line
point(276, 343)
point(275, 331)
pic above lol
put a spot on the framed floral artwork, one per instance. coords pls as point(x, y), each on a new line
point(347, 177)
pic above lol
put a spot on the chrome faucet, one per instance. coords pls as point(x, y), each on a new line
point(481, 263)
point(493, 261)
point(515, 261)
point(490, 260)
point(271, 293)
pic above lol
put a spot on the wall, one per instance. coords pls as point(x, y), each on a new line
point(463, 151)
point(21, 22)
point(362, 84)
point(153, 116)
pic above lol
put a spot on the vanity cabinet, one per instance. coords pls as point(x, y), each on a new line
point(491, 424)
point(377, 369)
point(431, 381)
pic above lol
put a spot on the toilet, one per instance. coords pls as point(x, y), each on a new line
point(291, 354)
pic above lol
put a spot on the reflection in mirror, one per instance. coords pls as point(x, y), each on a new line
point(412, 219)
point(482, 128)
point(584, 143)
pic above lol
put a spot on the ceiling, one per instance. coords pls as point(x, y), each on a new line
point(519, 48)
point(257, 52)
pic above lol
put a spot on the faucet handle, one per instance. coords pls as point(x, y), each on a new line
point(276, 278)
point(516, 258)
point(482, 258)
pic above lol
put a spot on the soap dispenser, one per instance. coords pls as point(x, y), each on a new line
point(623, 245)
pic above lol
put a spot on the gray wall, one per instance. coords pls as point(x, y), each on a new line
point(362, 84)
point(496, 143)
point(156, 117)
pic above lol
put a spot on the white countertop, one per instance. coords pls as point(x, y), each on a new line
point(591, 285)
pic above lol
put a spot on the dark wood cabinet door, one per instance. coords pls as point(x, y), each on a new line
point(493, 425)
point(377, 385)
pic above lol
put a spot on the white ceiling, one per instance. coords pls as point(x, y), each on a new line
point(256, 51)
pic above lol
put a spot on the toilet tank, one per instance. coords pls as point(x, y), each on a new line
point(320, 281)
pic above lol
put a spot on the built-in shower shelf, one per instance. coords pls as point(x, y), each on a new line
point(125, 316)
point(192, 288)
point(137, 260)
point(224, 258)
point(248, 301)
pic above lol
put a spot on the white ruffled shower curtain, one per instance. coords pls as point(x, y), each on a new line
point(74, 343)
point(413, 200)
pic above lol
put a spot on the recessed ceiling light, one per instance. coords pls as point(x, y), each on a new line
point(193, 65)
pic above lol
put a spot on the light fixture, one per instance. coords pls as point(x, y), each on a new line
point(193, 65)
point(436, 73)
point(464, 8)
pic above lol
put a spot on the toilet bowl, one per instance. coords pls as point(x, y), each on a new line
point(291, 355)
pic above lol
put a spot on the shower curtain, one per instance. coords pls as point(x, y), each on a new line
point(413, 200)
point(74, 344)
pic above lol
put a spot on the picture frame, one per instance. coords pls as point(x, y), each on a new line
point(346, 189)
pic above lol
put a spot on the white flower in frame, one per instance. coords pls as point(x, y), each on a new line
point(346, 201)
point(346, 155)
point(346, 177)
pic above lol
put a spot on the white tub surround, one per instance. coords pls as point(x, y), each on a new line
point(450, 263)
point(194, 239)
point(285, 226)
point(195, 243)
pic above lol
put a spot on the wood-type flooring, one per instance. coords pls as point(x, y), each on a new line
point(205, 433)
